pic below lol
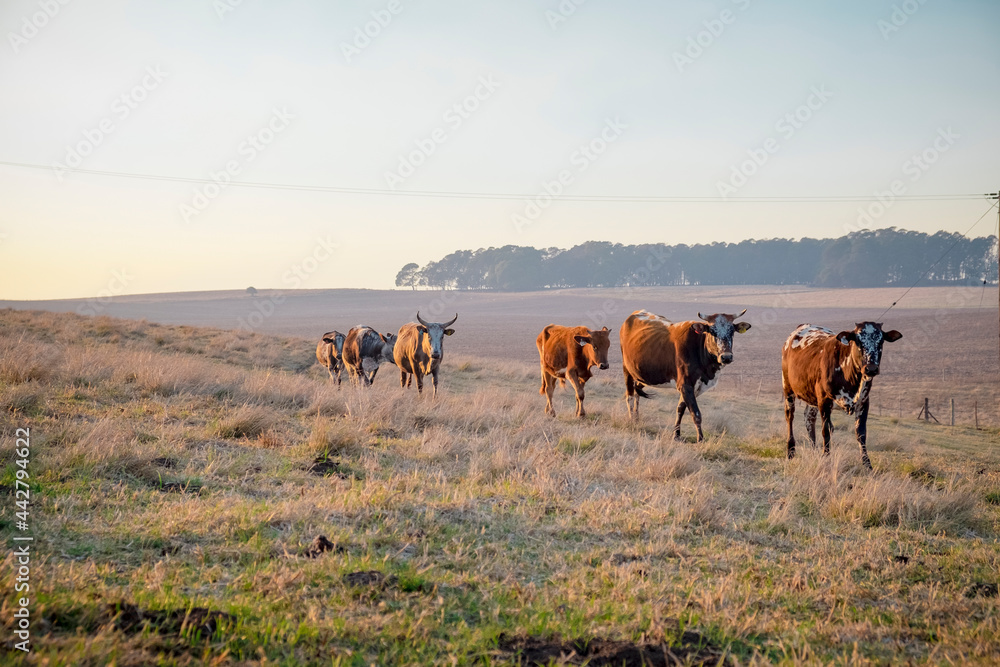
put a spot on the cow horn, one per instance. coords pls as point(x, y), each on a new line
point(741, 314)
point(450, 322)
point(420, 319)
point(700, 316)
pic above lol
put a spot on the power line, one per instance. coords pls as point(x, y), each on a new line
point(928, 270)
point(385, 192)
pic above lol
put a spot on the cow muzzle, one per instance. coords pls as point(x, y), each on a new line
point(726, 358)
point(871, 370)
point(604, 367)
point(435, 356)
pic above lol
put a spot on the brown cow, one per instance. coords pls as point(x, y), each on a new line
point(329, 352)
point(687, 355)
point(364, 350)
point(568, 353)
point(822, 368)
point(420, 350)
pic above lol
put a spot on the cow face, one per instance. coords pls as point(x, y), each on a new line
point(336, 339)
point(595, 346)
point(718, 330)
point(868, 338)
point(435, 333)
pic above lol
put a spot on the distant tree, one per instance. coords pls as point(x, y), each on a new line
point(252, 291)
point(408, 275)
point(866, 258)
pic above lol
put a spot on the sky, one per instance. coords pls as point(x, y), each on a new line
point(545, 101)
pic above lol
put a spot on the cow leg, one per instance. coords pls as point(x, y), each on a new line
point(861, 429)
point(402, 378)
point(434, 379)
point(681, 407)
point(577, 383)
point(811, 413)
point(420, 382)
point(630, 396)
point(692, 404)
point(824, 412)
point(549, 386)
point(371, 378)
point(789, 418)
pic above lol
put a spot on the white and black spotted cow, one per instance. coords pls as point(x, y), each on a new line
point(364, 350)
point(824, 369)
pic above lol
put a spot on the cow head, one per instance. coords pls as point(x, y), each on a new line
point(336, 339)
point(595, 346)
point(388, 346)
point(435, 333)
point(719, 330)
point(867, 338)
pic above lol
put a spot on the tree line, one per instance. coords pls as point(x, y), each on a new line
point(868, 258)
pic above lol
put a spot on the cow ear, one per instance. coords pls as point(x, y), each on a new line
point(582, 340)
point(448, 332)
point(699, 327)
point(892, 336)
point(389, 336)
point(328, 340)
point(422, 329)
point(845, 337)
point(604, 329)
point(742, 327)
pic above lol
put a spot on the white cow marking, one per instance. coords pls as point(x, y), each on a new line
point(807, 334)
point(701, 387)
point(647, 316)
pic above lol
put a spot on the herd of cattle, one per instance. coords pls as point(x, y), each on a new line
point(819, 367)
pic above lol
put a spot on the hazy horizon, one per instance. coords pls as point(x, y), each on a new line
point(876, 100)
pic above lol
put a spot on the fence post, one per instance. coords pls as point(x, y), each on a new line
point(975, 406)
point(953, 412)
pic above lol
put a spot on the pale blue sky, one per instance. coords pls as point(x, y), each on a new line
point(885, 96)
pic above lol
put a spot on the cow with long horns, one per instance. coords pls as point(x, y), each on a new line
point(685, 355)
point(420, 350)
point(823, 369)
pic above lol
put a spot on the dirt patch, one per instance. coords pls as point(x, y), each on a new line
point(981, 590)
point(196, 621)
point(322, 544)
point(621, 559)
point(693, 649)
point(324, 466)
point(165, 462)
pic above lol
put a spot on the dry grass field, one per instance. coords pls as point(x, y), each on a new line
point(181, 477)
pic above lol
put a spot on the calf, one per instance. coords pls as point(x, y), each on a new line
point(364, 350)
point(329, 352)
point(568, 353)
point(686, 355)
point(822, 369)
